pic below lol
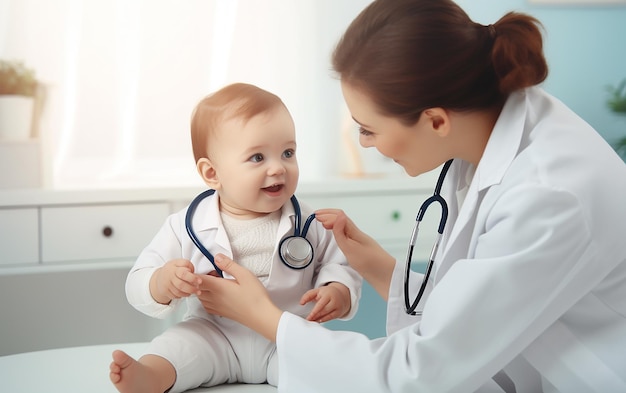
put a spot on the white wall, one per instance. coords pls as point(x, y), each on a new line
point(123, 77)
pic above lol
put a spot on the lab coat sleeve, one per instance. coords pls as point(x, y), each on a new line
point(478, 317)
point(396, 317)
point(164, 246)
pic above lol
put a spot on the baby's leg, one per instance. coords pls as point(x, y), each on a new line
point(272, 369)
point(151, 373)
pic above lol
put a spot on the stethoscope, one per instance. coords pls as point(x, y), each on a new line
point(436, 197)
point(295, 251)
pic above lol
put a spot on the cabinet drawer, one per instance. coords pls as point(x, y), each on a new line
point(19, 236)
point(99, 232)
point(389, 219)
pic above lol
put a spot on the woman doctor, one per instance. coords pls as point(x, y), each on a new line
point(528, 288)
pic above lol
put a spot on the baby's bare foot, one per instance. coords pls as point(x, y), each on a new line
point(130, 376)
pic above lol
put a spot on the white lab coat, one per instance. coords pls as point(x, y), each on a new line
point(530, 278)
point(285, 285)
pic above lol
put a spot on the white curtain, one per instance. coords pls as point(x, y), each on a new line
point(123, 76)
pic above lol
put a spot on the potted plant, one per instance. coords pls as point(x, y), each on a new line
point(617, 104)
point(18, 87)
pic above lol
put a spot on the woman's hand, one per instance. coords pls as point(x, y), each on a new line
point(364, 254)
point(243, 299)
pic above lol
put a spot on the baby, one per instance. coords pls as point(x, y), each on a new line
point(244, 144)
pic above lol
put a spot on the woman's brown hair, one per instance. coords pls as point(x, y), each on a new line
point(409, 55)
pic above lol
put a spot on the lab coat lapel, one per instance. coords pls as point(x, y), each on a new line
point(455, 247)
point(285, 228)
point(501, 150)
point(287, 219)
point(207, 225)
point(210, 220)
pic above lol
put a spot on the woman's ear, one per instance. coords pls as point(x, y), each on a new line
point(208, 173)
point(438, 120)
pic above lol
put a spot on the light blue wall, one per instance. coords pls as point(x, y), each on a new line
point(586, 51)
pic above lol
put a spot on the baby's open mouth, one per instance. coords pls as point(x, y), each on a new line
point(274, 188)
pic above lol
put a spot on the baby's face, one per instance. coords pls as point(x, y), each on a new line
point(255, 163)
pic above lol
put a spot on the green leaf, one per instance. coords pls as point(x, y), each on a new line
point(617, 99)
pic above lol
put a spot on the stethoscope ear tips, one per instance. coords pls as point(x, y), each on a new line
point(296, 252)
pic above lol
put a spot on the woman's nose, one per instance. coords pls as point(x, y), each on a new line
point(365, 142)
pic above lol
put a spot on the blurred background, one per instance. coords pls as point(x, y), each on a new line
point(120, 78)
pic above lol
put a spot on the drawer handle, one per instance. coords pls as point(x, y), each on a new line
point(395, 215)
point(107, 231)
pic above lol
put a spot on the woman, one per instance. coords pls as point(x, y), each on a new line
point(528, 288)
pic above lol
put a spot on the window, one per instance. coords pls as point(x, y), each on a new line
point(122, 78)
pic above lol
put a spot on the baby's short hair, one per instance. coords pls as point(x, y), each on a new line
point(240, 100)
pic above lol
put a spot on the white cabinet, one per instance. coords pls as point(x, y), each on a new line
point(45, 228)
point(389, 217)
point(19, 236)
point(99, 232)
point(73, 249)
point(64, 257)
point(384, 217)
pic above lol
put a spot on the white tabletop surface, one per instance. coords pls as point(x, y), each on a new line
point(79, 370)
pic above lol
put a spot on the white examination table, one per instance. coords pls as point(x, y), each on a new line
point(80, 370)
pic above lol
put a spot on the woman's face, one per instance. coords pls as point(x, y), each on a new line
point(413, 147)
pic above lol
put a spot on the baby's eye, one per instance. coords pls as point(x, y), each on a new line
point(364, 132)
point(257, 157)
point(289, 153)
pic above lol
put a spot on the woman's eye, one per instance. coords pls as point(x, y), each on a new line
point(364, 132)
point(257, 158)
point(289, 153)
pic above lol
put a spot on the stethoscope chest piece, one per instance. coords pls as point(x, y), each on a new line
point(296, 252)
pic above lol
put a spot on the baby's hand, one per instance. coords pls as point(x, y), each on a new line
point(331, 301)
point(174, 280)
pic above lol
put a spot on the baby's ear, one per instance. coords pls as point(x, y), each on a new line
point(208, 173)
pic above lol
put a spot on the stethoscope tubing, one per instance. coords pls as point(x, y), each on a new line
point(192, 235)
point(299, 234)
point(435, 198)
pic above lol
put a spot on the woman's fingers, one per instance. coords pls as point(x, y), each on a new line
point(336, 221)
point(228, 265)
